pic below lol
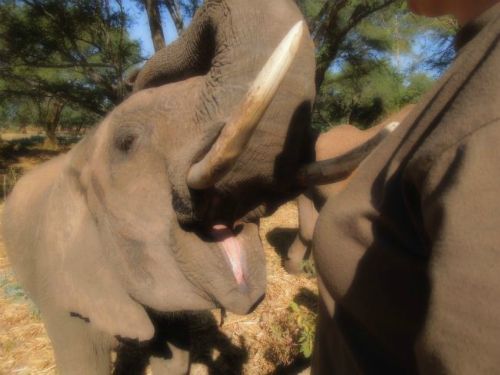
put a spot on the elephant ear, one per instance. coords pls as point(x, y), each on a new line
point(87, 285)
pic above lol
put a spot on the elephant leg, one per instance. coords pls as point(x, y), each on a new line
point(296, 254)
point(177, 364)
point(78, 349)
point(301, 246)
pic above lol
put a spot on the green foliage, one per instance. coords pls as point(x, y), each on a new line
point(362, 94)
point(364, 49)
point(16, 113)
point(418, 85)
point(63, 60)
point(309, 268)
point(306, 323)
point(56, 54)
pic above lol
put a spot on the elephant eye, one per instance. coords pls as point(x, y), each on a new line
point(125, 142)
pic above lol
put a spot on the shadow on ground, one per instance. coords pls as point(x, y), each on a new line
point(295, 368)
point(28, 148)
point(281, 239)
point(11, 151)
point(212, 348)
point(308, 299)
point(198, 332)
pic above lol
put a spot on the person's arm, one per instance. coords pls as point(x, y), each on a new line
point(460, 202)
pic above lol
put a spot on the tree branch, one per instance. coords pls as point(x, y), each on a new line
point(173, 9)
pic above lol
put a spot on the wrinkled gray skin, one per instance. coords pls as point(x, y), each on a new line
point(337, 141)
point(108, 238)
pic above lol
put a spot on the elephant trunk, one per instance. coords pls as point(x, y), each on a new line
point(190, 55)
point(239, 129)
point(226, 45)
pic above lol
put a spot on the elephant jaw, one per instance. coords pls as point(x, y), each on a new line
point(232, 250)
point(240, 263)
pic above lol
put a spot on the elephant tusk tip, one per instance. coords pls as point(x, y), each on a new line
point(392, 126)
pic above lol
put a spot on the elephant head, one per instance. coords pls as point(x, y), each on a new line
point(167, 191)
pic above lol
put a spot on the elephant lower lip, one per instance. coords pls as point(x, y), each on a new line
point(232, 249)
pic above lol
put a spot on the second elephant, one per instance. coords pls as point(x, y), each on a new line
point(340, 140)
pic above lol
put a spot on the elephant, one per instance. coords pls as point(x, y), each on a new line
point(339, 140)
point(155, 212)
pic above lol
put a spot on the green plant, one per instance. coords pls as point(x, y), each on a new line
point(306, 322)
point(309, 268)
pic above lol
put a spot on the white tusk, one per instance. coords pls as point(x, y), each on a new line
point(338, 168)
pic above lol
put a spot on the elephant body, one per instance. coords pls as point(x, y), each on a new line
point(337, 141)
point(109, 240)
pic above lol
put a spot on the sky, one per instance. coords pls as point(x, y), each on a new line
point(139, 28)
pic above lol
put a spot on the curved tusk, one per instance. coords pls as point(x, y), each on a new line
point(338, 168)
point(239, 129)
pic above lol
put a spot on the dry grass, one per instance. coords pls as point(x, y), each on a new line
point(24, 345)
point(264, 342)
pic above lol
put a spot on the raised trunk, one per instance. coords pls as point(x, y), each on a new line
point(225, 46)
point(191, 54)
point(155, 24)
point(228, 42)
point(241, 124)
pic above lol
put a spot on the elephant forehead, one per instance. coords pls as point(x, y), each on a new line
point(170, 103)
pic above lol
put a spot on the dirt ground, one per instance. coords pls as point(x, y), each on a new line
point(271, 340)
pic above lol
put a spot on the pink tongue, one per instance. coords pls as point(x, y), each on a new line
point(231, 247)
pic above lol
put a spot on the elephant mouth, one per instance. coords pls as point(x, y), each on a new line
point(231, 264)
point(232, 249)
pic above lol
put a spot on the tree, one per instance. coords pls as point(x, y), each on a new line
point(174, 9)
point(367, 43)
point(181, 11)
point(154, 18)
point(65, 52)
point(362, 46)
point(331, 22)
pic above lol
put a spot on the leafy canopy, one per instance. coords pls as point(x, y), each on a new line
point(73, 52)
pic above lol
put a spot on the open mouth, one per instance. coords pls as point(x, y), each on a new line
point(232, 248)
point(231, 267)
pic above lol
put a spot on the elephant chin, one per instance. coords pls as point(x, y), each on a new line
point(241, 281)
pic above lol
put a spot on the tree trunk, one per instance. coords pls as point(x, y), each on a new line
point(155, 26)
point(173, 9)
point(324, 61)
point(330, 30)
point(52, 121)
